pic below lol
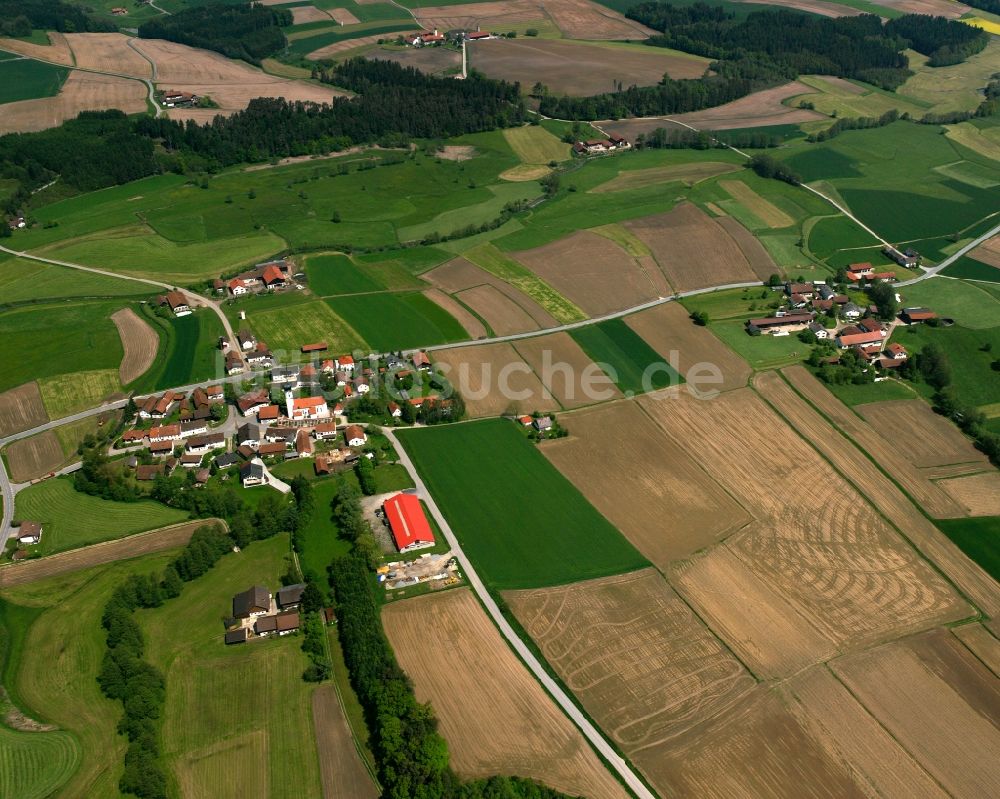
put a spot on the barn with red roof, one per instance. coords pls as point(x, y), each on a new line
point(407, 523)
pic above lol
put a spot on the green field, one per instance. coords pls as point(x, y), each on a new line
point(320, 543)
point(237, 716)
point(533, 144)
point(520, 521)
point(72, 519)
point(54, 679)
point(620, 352)
point(33, 765)
point(302, 47)
point(392, 321)
point(972, 269)
point(66, 394)
point(761, 352)
point(309, 322)
point(47, 340)
point(888, 390)
point(26, 79)
point(966, 303)
point(334, 274)
point(25, 280)
point(977, 538)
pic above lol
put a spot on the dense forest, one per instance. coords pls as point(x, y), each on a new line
point(248, 32)
point(767, 48)
point(993, 6)
point(397, 104)
point(18, 17)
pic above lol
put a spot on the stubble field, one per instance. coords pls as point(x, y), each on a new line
point(340, 768)
point(494, 715)
point(30, 458)
point(976, 495)
point(21, 408)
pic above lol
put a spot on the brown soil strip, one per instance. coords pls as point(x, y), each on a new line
point(981, 643)
point(31, 458)
point(21, 408)
point(978, 495)
point(566, 370)
point(341, 769)
point(472, 325)
point(760, 259)
point(139, 341)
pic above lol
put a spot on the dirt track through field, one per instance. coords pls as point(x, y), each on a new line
point(31, 458)
point(21, 408)
point(495, 717)
point(650, 489)
point(340, 767)
point(139, 341)
point(133, 546)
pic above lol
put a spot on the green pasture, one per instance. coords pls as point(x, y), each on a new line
point(238, 709)
point(415, 260)
point(628, 359)
point(26, 79)
point(24, 280)
point(311, 321)
point(761, 352)
point(851, 394)
point(34, 765)
point(391, 321)
point(330, 275)
point(320, 542)
point(972, 269)
point(977, 538)
point(520, 521)
point(57, 339)
point(833, 234)
point(335, 33)
point(72, 519)
point(964, 302)
point(457, 219)
point(736, 303)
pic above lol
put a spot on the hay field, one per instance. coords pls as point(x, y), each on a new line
point(858, 738)
point(931, 440)
point(577, 68)
point(983, 644)
point(566, 371)
point(884, 495)
point(825, 8)
point(688, 174)
point(820, 564)
point(884, 449)
point(760, 259)
point(82, 91)
point(976, 495)
point(487, 375)
point(583, 19)
point(634, 654)
point(939, 702)
point(354, 43)
point(58, 51)
point(285, 329)
point(340, 768)
point(593, 272)
point(76, 391)
point(139, 341)
point(473, 326)
point(133, 546)
point(667, 329)
point(108, 52)
point(30, 458)
point(21, 408)
point(533, 144)
point(692, 249)
point(495, 716)
point(770, 215)
point(643, 482)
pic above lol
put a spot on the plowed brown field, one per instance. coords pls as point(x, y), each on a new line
point(31, 458)
point(566, 370)
point(847, 576)
point(651, 489)
point(760, 259)
point(692, 249)
point(667, 328)
point(976, 495)
point(939, 702)
point(340, 767)
point(502, 314)
point(493, 379)
point(140, 343)
point(472, 325)
point(591, 271)
point(493, 713)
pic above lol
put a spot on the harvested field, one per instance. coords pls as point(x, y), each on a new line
point(340, 768)
point(82, 91)
point(58, 51)
point(830, 574)
point(534, 145)
point(634, 654)
point(139, 341)
point(501, 313)
point(333, 50)
point(651, 490)
point(882, 448)
point(132, 546)
point(592, 272)
point(575, 68)
point(668, 329)
point(859, 739)
point(432, 60)
point(760, 259)
point(472, 325)
point(981, 643)
point(460, 274)
point(21, 408)
point(977, 495)
point(302, 15)
point(884, 495)
point(756, 110)
point(343, 16)
point(525, 172)
point(939, 702)
point(566, 371)
point(489, 375)
point(935, 8)
point(692, 249)
point(931, 440)
point(108, 52)
point(821, 7)
point(31, 458)
point(496, 717)
point(764, 210)
point(688, 174)
point(758, 748)
point(582, 19)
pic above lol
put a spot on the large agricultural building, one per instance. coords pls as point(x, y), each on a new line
point(407, 522)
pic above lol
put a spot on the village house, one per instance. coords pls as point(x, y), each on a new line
point(219, 286)
point(240, 636)
point(824, 292)
point(395, 411)
point(265, 626)
point(215, 394)
point(597, 146)
point(355, 436)
point(272, 277)
point(169, 432)
point(178, 99)
point(287, 376)
point(345, 363)
point(234, 364)
point(322, 432)
point(29, 533)
point(306, 408)
point(525, 420)
point(191, 460)
point(281, 435)
point(268, 450)
point(146, 474)
point(195, 427)
point(161, 447)
point(237, 287)
point(226, 459)
point(860, 338)
point(290, 596)
point(908, 258)
point(252, 474)
point(176, 302)
point(407, 523)
point(255, 601)
point(804, 290)
point(542, 424)
point(287, 623)
point(247, 339)
point(249, 404)
point(206, 442)
point(914, 316)
point(269, 413)
point(819, 331)
point(896, 352)
point(478, 35)
point(133, 436)
point(303, 444)
point(851, 310)
point(772, 323)
point(260, 357)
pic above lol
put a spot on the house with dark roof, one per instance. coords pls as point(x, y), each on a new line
point(252, 474)
point(240, 636)
point(290, 596)
point(227, 459)
point(255, 601)
point(248, 435)
point(29, 533)
point(914, 316)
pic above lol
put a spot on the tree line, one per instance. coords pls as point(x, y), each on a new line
point(19, 17)
point(684, 139)
point(247, 32)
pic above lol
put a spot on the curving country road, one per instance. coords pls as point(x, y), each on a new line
point(596, 738)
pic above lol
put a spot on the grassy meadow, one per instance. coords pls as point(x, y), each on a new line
point(398, 320)
point(23, 280)
point(614, 344)
point(520, 521)
point(26, 79)
point(977, 538)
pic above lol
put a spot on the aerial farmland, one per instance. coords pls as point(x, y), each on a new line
point(537, 399)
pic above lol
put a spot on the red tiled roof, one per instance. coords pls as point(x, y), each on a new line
point(272, 274)
point(317, 347)
point(308, 402)
point(269, 412)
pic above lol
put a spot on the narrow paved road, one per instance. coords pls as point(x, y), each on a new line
point(157, 110)
point(934, 270)
point(592, 734)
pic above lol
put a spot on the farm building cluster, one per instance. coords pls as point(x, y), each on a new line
point(434, 37)
point(257, 613)
point(267, 276)
point(614, 143)
point(172, 98)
